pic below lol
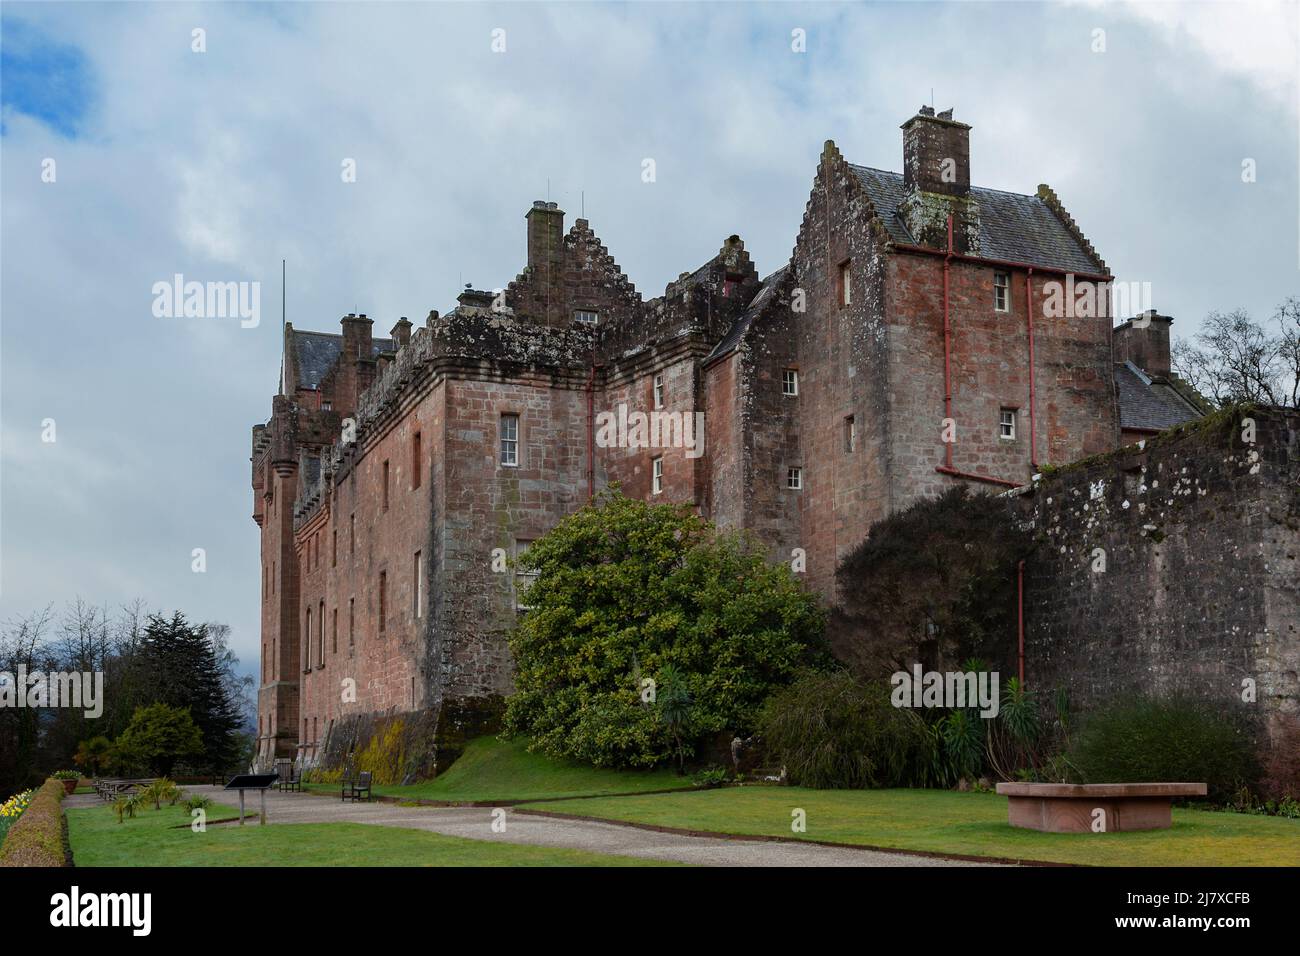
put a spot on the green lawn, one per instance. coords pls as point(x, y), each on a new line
point(149, 840)
point(497, 770)
point(939, 821)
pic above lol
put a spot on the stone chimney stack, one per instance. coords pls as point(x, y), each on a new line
point(936, 181)
point(1144, 341)
point(357, 341)
point(401, 334)
point(545, 239)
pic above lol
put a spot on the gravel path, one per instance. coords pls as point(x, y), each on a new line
point(476, 823)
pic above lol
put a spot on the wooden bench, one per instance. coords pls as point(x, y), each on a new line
point(1093, 807)
point(354, 788)
point(290, 777)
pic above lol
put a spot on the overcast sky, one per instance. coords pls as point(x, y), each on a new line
point(217, 165)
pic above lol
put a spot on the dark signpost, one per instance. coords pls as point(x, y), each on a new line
point(252, 781)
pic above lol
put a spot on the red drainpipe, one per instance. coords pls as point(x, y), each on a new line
point(1029, 317)
point(947, 357)
point(1020, 607)
point(947, 467)
point(591, 439)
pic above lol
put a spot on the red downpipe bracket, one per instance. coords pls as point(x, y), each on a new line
point(1020, 602)
point(1029, 318)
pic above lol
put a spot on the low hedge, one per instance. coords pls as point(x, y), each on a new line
point(40, 836)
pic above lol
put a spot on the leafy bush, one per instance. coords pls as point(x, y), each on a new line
point(648, 630)
point(40, 836)
point(833, 731)
point(66, 775)
point(709, 777)
point(1180, 739)
point(160, 790)
point(197, 802)
point(94, 755)
point(159, 736)
point(934, 583)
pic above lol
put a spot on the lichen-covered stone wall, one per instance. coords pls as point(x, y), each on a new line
point(1174, 567)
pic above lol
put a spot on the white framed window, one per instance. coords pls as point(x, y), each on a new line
point(417, 586)
point(1007, 424)
point(586, 316)
point(794, 478)
point(1001, 292)
point(850, 434)
point(846, 284)
point(657, 476)
point(789, 382)
point(659, 390)
point(510, 440)
point(523, 578)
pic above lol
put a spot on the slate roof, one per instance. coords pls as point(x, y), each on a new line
point(766, 293)
point(315, 353)
point(1149, 403)
point(1013, 227)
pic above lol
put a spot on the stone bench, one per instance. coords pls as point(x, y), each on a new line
point(1072, 807)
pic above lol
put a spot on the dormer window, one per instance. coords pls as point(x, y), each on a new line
point(586, 316)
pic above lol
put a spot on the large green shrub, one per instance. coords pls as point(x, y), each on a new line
point(628, 594)
point(157, 737)
point(830, 730)
point(1178, 740)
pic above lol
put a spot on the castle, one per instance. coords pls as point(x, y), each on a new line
point(904, 348)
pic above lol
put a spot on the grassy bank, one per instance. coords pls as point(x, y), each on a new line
point(153, 839)
point(939, 821)
point(497, 770)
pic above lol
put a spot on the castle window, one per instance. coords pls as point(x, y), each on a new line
point(510, 440)
point(850, 434)
point(659, 390)
point(418, 585)
point(586, 316)
point(352, 621)
point(334, 548)
point(789, 382)
point(326, 406)
point(1001, 292)
point(383, 601)
point(416, 464)
point(524, 578)
point(846, 284)
point(306, 645)
point(385, 485)
point(352, 533)
point(794, 478)
point(320, 658)
point(1007, 424)
point(334, 636)
point(657, 476)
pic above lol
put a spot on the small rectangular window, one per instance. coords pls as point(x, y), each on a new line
point(416, 462)
point(794, 478)
point(352, 621)
point(510, 440)
point(789, 382)
point(850, 434)
point(586, 316)
point(1001, 292)
point(1007, 424)
point(657, 476)
point(334, 634)
point(352, 533)
point(417, 586)
point(334, 548)
point(659, 390)
point(383, 601)
point(524, 577)
point(385, 485)
point(306, 645)
point(846, 284)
